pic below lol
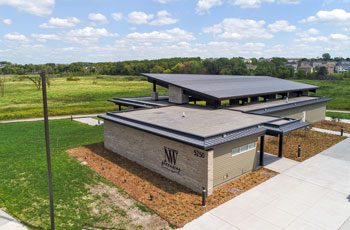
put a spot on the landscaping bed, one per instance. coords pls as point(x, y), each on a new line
point(172, 201)
point(332, 125)
point(311, 143)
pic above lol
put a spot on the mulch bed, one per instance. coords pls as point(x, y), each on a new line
point(172, 201)
point(332, 125)
point(311, 143)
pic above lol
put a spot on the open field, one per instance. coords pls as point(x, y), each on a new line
point(172, 201)
point(87, 95)
point(83, 200)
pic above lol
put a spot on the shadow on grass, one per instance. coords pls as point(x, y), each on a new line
point(143, 173)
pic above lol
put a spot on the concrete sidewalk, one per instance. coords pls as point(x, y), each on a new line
point(7, 222)
point(50, 118)
point(311, 195)
point(330, 132)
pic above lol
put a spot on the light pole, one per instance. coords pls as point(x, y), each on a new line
point(48, 153)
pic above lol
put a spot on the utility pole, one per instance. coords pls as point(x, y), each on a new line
point(48, 153)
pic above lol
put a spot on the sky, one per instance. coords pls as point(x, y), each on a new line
point(65, 31)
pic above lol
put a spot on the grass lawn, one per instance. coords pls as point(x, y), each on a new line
point(83, 199)
point(86, 96)
point(338, 115)
point(339, 91)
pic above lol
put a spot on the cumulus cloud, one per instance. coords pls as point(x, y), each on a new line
point(237, 29)
point(36, 7)
point(163, 1)
point(84, 36)
point(138, 17)
point(336, 17)
point(117, 16)
point(204, 6)
point(167, 36)
point(309, 32)
point(60, 23)
point(98, 17)
point(250, 3)
point(339, 37)
point(281, 25)
point(15, 36)
point(7, 21)
point(290, 1)
point(163, 18)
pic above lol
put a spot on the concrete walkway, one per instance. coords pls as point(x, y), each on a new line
point(347, 121)
point(7, 222)
point(50, 118)
point(89, 121)
point(311, 195)
point(337, 111)
point(330, 132)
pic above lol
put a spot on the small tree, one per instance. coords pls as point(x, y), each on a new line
point(326, 56)
point(36, 80)
point(2, 86)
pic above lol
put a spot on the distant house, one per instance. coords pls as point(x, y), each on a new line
point(247, 61)
point(250, 66)
point(305, 63)
point(306, 68)
point(293, 59)
point(293, 65)
point(316, 64)
point(2, 65)
point(342, 67)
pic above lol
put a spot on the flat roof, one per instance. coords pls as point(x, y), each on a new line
point(221, 87)
point(198, 120)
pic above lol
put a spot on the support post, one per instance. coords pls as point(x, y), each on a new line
point(154, 86)
point(280, 147)
point(48, 153)
point(120, 107)
point(299, 151)
point(204, 196)
point(342, 131)
point(262, 143)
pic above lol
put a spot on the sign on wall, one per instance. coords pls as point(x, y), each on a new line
point(170, 160)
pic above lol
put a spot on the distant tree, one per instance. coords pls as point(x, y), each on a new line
point(157, 69)
point(36, 80)
point(326, 56)
point(2, 86)
point(322, 71)
point(301, 74)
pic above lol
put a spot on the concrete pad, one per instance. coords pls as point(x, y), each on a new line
point(300, 224)
point(340, 151)
point(231, 214)
point(256, 223)
point(89, 121)
point(208, 222)
point(276, 216)
point(7, 222)
point(277, 164)
point(346, 225)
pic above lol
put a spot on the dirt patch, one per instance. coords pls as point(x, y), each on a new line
point(173, 202)
point(311, 143)
point(332, 125)
point(120, 210)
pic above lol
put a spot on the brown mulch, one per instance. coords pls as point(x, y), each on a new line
point(332, 125)
point(172, 201)
point(311, 143)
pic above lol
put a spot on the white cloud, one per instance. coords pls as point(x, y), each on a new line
point(281, 25)
point(163, 18)
point(137, 17)
point(7, 21)
point(204, 5)
point(98, 17)
point(117, 16)
point(250, 3)
point(290, 1)
point(340, 37)
point(17, 37)
point(337, 17)
point(36, 7)
point(163, 1)
point(167, 36)
point(312, 39)
point(60, 23)
point(309, 32)
point(236, 28)
point(85, 36)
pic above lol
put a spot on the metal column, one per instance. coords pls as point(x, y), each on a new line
point(154, 86)
point(280, 147)
point(262, 142)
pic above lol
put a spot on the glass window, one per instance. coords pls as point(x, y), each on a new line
point(252, 145)
point(235, 151)
point(244, 148)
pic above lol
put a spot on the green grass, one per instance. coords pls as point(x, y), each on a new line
point(23, 174)
point(338, 115)
point(86, 96)
point(338, 91)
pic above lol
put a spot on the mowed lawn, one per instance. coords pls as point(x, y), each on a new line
point(24, 186)
point(87, 95)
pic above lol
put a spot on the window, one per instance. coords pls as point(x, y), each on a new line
point(243, 148)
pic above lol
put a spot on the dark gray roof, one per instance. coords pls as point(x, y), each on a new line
point(221, 87)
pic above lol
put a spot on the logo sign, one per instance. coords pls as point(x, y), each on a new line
point(170, 160)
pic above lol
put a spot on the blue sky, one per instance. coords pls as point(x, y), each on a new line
point(65, 31)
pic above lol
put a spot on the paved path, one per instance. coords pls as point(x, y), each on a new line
point(312, 195)
point(50, 118)
point(337, 111)
point(7, 222)
point(330, 132)
point(340, 120)
point(89, 121)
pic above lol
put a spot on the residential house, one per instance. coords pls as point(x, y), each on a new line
point(293, 65)
point(342, 67)
point(250, 66)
